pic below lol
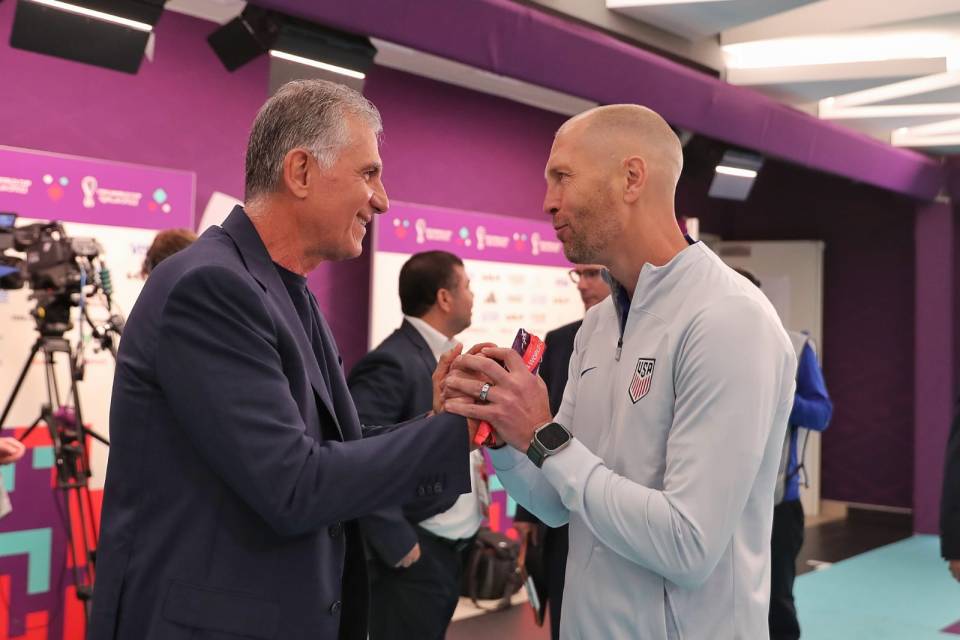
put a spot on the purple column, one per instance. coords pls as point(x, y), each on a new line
point(934, 381)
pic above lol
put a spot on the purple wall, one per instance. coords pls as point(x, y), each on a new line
point(528, 44)
point(868, 330)
point(935, 380)
point(182, 111)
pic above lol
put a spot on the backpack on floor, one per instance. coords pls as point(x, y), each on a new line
point(493, 569)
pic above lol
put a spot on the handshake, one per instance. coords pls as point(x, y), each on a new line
point(495, 386)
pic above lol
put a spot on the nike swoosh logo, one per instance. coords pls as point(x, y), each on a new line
point(582, 373)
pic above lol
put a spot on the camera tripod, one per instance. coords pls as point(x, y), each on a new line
point(68, 434)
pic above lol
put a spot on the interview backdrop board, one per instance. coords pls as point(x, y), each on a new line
point(517, 270)
point(121, 206)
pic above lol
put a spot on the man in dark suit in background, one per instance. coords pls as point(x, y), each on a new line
point(237, 464)
point(593, 289)
point(950, 500)
point(416, 554)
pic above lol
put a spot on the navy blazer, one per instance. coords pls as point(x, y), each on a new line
point(556, 361)
point(237, 459)
point(391, 384)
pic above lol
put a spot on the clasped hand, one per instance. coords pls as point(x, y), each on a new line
point(516, 401)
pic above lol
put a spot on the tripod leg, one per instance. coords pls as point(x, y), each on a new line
point(53, 390)
point(81, 428)
point(86, 522)
point(94, 528)
point(20, 379)
point(26, 434)
point(78, 577)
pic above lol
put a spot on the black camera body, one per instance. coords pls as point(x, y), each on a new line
point(54, 268)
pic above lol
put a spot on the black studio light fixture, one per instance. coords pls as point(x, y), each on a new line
point(297, 48)
point(734, 176)
point(105, 33)
point(249, 35)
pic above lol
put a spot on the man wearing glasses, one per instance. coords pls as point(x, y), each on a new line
point(556, 360)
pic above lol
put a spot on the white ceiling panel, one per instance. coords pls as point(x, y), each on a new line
point(697, 20)
point(831, 16)
point(880, 72)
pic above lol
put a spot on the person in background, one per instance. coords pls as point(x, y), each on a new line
point(417, 553)
point(593, 289)
point(812, 410)
point(11, 450)
point(165, 244)
point(950, 500)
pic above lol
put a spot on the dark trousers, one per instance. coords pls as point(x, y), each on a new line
point(417, 602)
point(785, 544)
point(556, 544)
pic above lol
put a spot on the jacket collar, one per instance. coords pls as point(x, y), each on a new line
point(654, 284)
point(260, 265)
point(252, 250)
point(426, 354)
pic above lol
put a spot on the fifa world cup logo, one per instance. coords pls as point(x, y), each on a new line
point(481, 238)
point(421, 226)
point(88, 185)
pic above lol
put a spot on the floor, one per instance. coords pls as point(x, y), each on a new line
point(901, 591)
point(838, 534)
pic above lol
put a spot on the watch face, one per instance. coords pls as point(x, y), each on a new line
point(552, 436)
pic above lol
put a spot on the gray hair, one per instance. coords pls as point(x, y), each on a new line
point(307, 114)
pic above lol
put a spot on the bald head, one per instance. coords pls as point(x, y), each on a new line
point(611, 181)
point(611, 134)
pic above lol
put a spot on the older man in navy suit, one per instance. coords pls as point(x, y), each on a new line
point(238, 467)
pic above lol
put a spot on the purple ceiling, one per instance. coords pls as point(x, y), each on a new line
point(516, 41)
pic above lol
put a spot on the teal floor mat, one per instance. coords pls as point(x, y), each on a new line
point(902, 591)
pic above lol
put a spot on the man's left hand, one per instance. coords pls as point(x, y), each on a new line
point(408, 560)
point(516, 402)
point(440, 374)
point(954, 566)
point(11, 450)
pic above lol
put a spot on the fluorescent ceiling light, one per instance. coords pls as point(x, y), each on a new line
point(99, 15)
point(736, 171)
point(626, 4)
point(935, 134)
point(943, 140)
point(350, 73)
point(891, 111)
point(934, 128)
point(894, 91)
point(812, 50)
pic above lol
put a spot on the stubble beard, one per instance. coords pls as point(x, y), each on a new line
point(596, 229)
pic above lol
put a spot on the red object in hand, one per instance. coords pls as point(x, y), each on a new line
point(531, 348)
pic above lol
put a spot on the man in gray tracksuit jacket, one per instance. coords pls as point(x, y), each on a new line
point(664, 453)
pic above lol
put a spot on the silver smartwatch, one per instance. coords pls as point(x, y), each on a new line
point(548, 440)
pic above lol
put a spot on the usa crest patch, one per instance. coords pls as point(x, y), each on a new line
point(642, 377)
